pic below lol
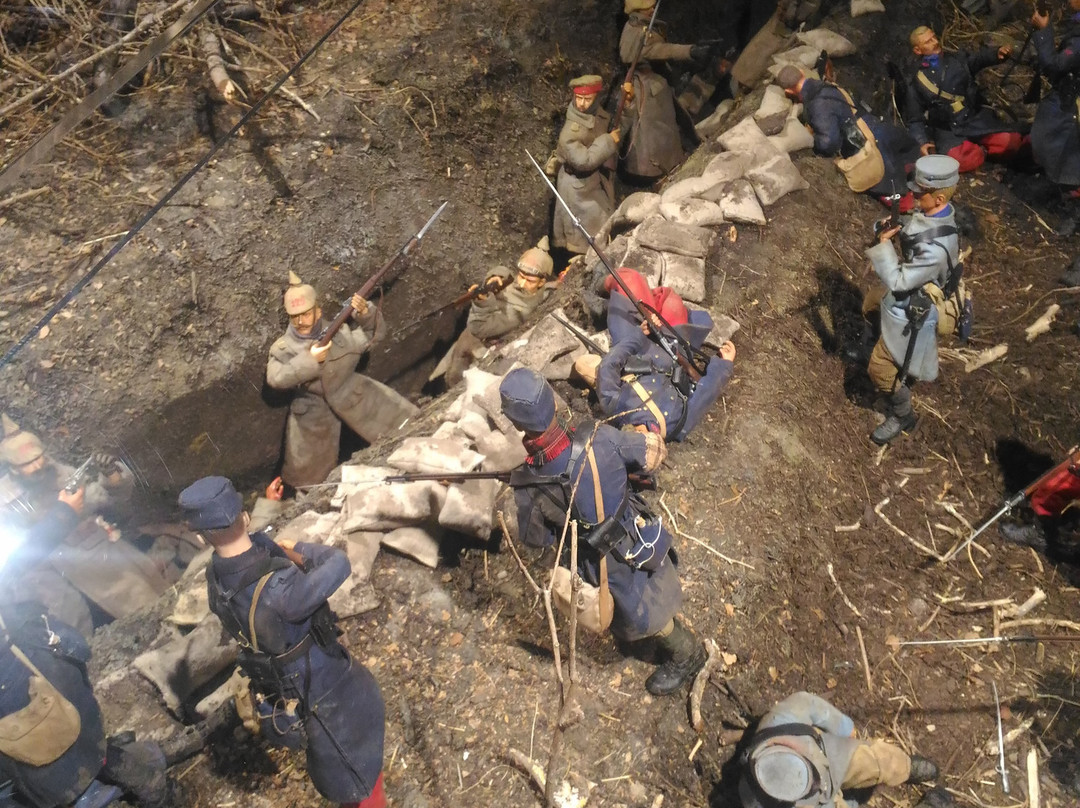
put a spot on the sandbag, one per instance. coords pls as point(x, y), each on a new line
point(692, 211)
point(469, 508)
point(636, 208)
point(390, 506)
point(313, 527)
point(774, 179)
point(774, 102)
point(794, 137)
point(431, 455)
point(664, 236)
point(740, 203)
point(714, 123)
point(685, 275)
point(648, 262)
point(746, 136)
point(801, 56)
point(823, 39)
point(421, 544)
point(691, 186)
point(182, 666)
point(727, 166)
point(860, 7)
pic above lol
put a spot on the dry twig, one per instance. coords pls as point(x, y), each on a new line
point(840, 591)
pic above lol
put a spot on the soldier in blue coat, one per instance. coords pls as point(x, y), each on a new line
point(617, 533)
point(942, 108)
point(827, 109)
point(1055, 135)
point(920, 297)
point(293, 652)
point(638, 383)
point(52, 739)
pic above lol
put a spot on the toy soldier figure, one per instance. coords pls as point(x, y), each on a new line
point(587, 151)
point(655, 55)
point(508, 302)
point(622, 546)
point(328, 390)
point(942, 108)
point(637, 383)
point(278, 613)
point(69, 553)
point(52, 740)
point(831, 115)
point(922, 295)
point(805, 752)
point(1055, 135)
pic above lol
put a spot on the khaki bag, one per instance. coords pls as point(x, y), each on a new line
point(866, 168)
point(595, 606)
point(44, 729)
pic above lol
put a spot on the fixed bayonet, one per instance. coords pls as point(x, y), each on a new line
point(586, 340)
point(1001, 769)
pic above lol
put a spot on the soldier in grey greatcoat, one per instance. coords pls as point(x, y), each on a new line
point(81, 558)
point(587, 151)
point(496, 314)
point(805, 752)
point(920, 297)
point(1055, 135)
point(328, 390)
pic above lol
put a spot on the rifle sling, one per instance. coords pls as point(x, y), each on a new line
point(956, 102)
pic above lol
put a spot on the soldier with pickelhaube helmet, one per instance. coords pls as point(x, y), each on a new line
point(922, 295)
point(327, 388)
point(587, 152)
point(513, 298)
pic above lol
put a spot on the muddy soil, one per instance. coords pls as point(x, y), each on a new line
point(418, 104)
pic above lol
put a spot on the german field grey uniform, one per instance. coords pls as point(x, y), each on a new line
point(68, 559)
point(588, 153)
point(805, 752)
point(622, 545)
point(653, 144)
point(330, 392)
point(494, 315)
point(914, 297)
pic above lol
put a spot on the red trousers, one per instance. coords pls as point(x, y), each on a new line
point(376, 799)
point(1000, 146)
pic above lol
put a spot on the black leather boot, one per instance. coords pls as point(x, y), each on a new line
point(1032, 535)
point(923, 770)
point(684, 655)
point(936, 798)
point(900, 418)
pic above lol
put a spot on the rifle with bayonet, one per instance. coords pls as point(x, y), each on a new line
point(1070, 463)
point(678, 349)
point(493, 285)
point(365, 291)
point(629, 78)
point(988, 640)
point(585, 339)
point(519, 477)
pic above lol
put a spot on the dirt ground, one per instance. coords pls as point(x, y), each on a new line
point(162, 358)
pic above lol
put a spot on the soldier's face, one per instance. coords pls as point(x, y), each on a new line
point(31, 469)
point(929, 201)
point(305, 321)
point(583, 102)
point(529, 283)
point(927, 45)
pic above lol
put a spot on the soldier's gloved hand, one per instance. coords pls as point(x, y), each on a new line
point(74, 501)
point(655, 452)
point(699, 53)
point(359, 305)
point(318, 352)
point(106, 463)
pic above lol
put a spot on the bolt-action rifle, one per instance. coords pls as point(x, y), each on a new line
point(492, 286)
point(586, 340)
point(519, 477)
point(680, 351)
point(75, 481)
point(327, 333)
point(1070, 464)
point(893, 219)
point(629, 78)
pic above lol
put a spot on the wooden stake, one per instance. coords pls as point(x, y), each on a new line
point(865, 661)
point(1033, 778)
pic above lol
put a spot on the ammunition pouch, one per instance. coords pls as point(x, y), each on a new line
point(681, 380)
point(952, 285)
point(918, 309)
point(852, 138)
point(638, 365)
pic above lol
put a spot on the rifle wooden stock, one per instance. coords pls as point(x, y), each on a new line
point(616, 119)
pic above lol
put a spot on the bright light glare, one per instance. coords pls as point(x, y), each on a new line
point(10, 540)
